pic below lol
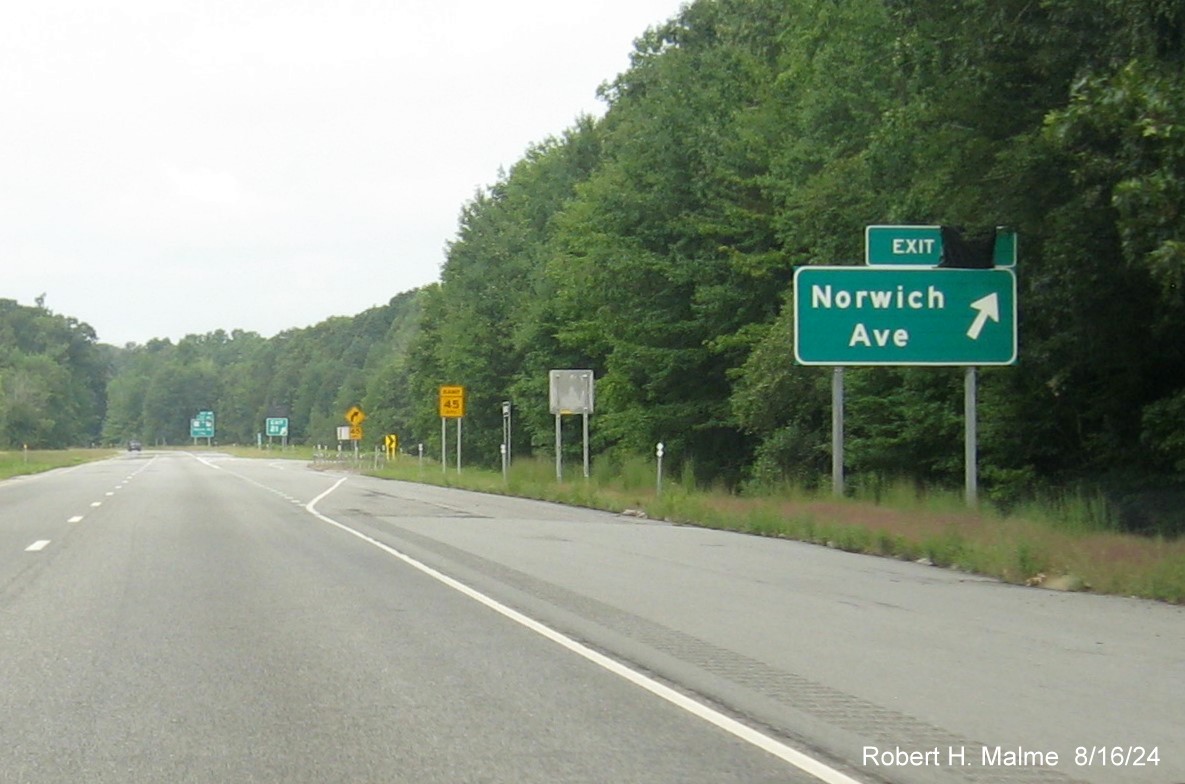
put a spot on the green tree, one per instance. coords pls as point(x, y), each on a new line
point(53, 376)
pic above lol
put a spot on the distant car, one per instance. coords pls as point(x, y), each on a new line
point(134, 446)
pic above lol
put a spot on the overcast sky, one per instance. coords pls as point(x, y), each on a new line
point(171, 168)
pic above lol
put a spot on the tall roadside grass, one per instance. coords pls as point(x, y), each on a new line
point(1068, 542)
point(34, 461)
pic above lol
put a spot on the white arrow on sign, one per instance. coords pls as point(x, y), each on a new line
point(989, 308)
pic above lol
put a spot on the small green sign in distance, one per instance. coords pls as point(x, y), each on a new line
point(901, 316)
point(202, 425)
point(276, 426)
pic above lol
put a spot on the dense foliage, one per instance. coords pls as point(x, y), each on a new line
point(52, 378)
point(656, 245)
point(749, 137)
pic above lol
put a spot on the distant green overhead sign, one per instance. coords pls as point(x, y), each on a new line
point(888, 316)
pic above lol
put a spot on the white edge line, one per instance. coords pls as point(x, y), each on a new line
point(204, 461)
point(793, 756)
point(40, 544)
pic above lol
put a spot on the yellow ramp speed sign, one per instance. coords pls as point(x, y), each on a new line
point(452, 402)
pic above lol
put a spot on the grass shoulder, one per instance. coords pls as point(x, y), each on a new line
point(19, 462)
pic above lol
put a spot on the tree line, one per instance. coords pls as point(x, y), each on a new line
point(656, 245)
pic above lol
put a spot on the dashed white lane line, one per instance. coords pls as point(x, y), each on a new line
point(40, 544)
point(110, 494)
point(786, 753)
point(75, 519)
point(96, 503)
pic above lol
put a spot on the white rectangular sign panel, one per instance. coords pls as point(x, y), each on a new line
point(571, 391)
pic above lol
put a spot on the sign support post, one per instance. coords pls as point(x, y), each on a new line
point(971, 435)
point(559, 458)
point(585, 415)
point(658, 450)
point(837, 488)
point(505, 440)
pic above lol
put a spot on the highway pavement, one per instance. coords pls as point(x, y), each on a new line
point(182, 617)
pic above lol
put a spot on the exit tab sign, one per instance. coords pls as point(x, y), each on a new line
point(921, 246)
point(897, 316)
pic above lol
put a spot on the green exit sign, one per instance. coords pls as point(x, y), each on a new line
point(276, 426)
point(905, 245)
point(921, 246)
point(899, 316)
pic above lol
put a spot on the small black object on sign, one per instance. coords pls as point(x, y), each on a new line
point(974, 252)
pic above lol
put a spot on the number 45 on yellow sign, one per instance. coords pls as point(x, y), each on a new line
point(452, 402)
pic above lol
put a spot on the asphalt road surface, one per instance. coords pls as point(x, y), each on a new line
point(172, 617)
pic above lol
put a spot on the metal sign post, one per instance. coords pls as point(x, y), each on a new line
point(658, 450)
point(837, 488)
point(971, 436)
point(505, 438)
point(584, 416)
point(559, 456)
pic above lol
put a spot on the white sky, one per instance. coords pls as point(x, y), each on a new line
point(170, 167)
